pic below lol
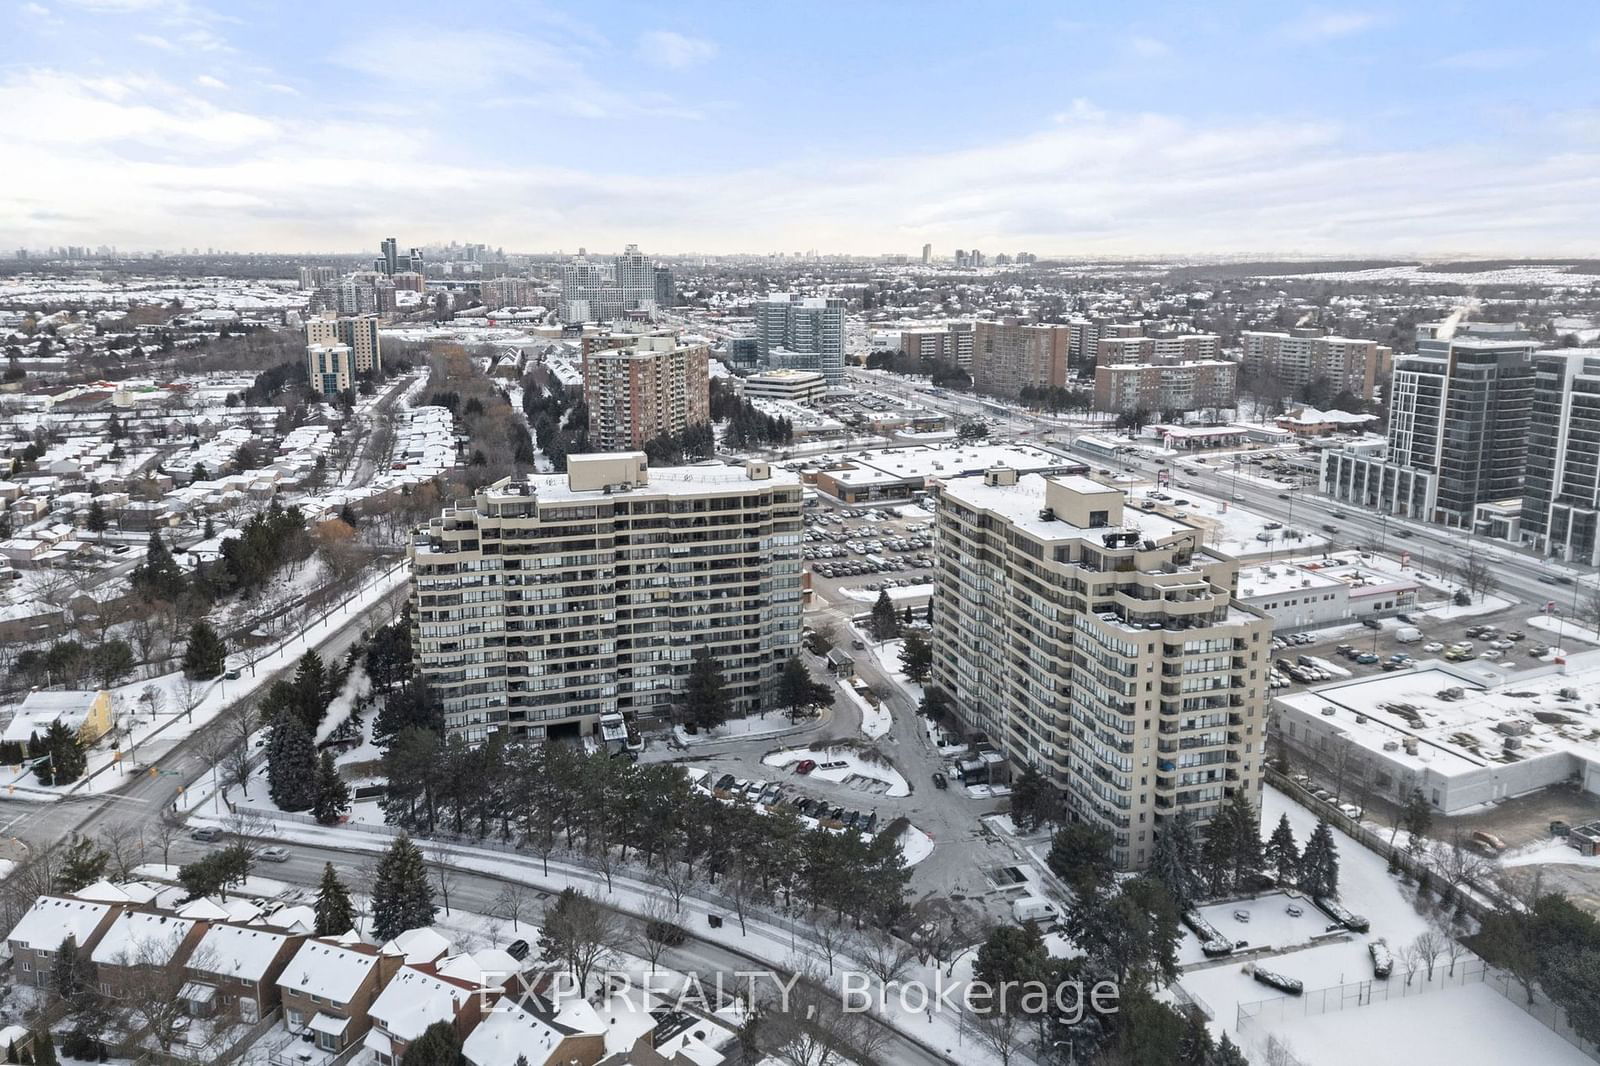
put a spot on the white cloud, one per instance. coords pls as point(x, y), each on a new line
point(1319, 25)
point(1489, 59)
point(1148, 47)
point(675, 51)
point(1096, 182)
point(36, 10)
point(208, 82)
point(155, 40)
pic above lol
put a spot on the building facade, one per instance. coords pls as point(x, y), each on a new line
point(1103, 649)
point(602, 292)
point(1347, 365)
point(802, 333)
point(948, 344)
point(1459, 421)
point(1561, 490)
point(1008, 356)
point(543, 603)
point(651, 387)
point(1186, 347)
point(1155, 387)
point(358, 333)
point(330, 368)
point(795, 386)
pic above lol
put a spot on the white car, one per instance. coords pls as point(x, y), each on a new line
point(1433, 647)
point(274, 854)
point(1350, 810)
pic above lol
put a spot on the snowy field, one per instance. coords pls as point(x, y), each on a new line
point(1552, 277)
point(1269, 924)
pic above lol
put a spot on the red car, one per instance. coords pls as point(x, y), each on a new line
point(805, 766)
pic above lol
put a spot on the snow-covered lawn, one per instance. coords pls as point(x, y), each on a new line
point(1565, 629)
point(754, 725)
point(1472, 1025)
point(915, 845)
point(1270, 924)
point(848, 767)
point(896, 595)
point(1479, 605)
point(875, 721)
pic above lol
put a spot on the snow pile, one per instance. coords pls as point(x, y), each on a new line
point(847, 766)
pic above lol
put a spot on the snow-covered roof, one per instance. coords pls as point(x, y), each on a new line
point(237, 951)
point(418, 945)
point(510, 1030)
point(52, 919)
point(142, 938)
point(415, 998)
point(328, 970)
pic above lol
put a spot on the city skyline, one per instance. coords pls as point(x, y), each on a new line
point(1304, 130)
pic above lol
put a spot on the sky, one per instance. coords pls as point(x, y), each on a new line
point(1232, 127)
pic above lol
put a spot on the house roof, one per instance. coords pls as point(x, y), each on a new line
point(415, 998)
point(139, 938)
point(52, 919)
point(328, 970)
point(419, 945)
point(510, 1030)
point(240, 952)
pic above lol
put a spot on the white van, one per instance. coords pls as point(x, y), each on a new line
point(1033, 909)
point(1408, 634)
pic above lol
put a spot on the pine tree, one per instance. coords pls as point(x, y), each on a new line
point(437, 1046)
point(291, 764)
point(1228, 1053)
point(333, 795)
point(96, 522)
point(335, 913)
point(402, 897)
point(1319, 865)
point(83, 862)
point(1195, 1048)
point(885, 623)
point(312, 689)
point(1174, 860)
point(158, 577)
point(1032, 799)
point(206, 656)
point(209, 530)
point(916, 656)
point(1246, 836)
point(1282, 853)
point(706, 703)
point(1217, 854)
point(44, 1048)
point(61, 757)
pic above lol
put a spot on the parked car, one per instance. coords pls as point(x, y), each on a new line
point(1366, 658)
point(1241, 916)
point(1433, 647)
point(518, 949)
point(1372, 623)
point(206, 834)
point(940, 781)
point(805, 766)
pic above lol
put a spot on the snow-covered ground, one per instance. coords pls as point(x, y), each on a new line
point(901, 595)
point(847, 766)
point(875, 721)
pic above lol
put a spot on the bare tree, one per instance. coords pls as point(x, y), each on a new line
point(191, 693)
point(1455, 950)
point(830, 937)
point(1429, 946)
point(124, 850)
point(250, 830)
point(655, 931)
point(807, 1025)
point(164, 832)
point(1476, 575)
point(1001, 1032)
point(440, 855)
point(882, 954)
point(512, 902)
point(212, 744)
point(675, 878)
point(151, 985)
point(1411, 959)
point(1276, 1052)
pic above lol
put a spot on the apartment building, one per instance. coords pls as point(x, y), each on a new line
point(802, 333)
point(600, 292)
point(794, 386)
point(1561, 490)
point(359, 333)
point(330, 368)
point(1106, 649)
point(1155, 387)
point(544, 602)
point(654, 386)
point(1008, 355)
point(1178, 348)
point(1459, 419)
point(1346, 364)
point(951, 343)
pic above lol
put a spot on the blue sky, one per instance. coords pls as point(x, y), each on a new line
point(1405, 128)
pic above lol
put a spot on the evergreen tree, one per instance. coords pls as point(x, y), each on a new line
point(706, 703)
point(1218, 852)
point(402, 897)
point(1080, 855)
point(1246, 836)
point(44, 1048)
point(1033, 798)
point(437, 1046)
point(885, 623)
point(96, 522)
point(72, 974)
point(916, 656)
point(1228, 1053)
point(335, 913)
point(291, 764)
point(82, 864)
point(158, 576)
point(209, 530)
point(1196, 1048)
point(61, 757)
point(206, 656)
point(797, 690)
point(1282, 853)
point(1175, 860)
point(1319, 865)
point(312, 687)
point(1417, 820)
point(333, 795)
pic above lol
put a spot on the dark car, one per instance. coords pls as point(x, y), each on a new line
point(939, 781)
point(725, 782)
point(1372, 623)
point(1283, 495)
point(518, 949)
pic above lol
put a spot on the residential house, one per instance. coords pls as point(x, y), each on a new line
point(235, 970)
point(328, 988)
point(88, 712)
point(571, 1035)
point(52, 920)
point(415, 998)
point(138, 946)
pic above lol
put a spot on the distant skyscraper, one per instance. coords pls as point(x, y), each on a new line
point(927, 253)
point(358, 334)
point(666, 289)
point(391, 262)
point(1561, 497)
point(391, 258)
point(598, 292)
point(802, 333)
point(318, 277)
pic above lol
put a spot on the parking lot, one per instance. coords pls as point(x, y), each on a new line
point(868, 548)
